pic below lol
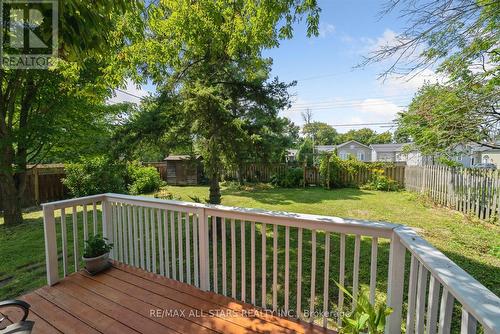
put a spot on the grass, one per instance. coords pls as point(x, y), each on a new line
point(473, 245)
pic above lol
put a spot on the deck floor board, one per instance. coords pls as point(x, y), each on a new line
point(125, 299)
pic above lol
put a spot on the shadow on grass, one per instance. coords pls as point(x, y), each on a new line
point(298, 195)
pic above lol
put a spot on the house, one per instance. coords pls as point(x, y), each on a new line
point(397, 153)
point(350, 148)
point(184, 170)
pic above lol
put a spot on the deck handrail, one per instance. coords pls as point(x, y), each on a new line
point(475, 298)
point(159, 235)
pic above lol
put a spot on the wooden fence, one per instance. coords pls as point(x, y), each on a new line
point(471, 191)
point(264, 172)
point(43, 184)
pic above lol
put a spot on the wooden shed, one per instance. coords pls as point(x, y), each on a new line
point(184, 170)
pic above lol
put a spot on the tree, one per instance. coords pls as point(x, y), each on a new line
point(367, 136)
point(209, 53)
point(460, 40)
point(440, 118)
point(322, 133)
point(40, 108)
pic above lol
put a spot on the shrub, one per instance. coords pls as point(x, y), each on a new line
point(291, 178)
point(379, 181)
point(142, 179)
point(96, 246)
point(337, 173)
point(95, 176)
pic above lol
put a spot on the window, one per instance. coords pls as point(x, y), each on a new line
point(343, 155)
point(361, 156)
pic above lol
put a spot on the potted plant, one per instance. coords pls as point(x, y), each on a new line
point(96, 254)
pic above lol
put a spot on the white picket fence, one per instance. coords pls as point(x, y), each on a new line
point(471, 191)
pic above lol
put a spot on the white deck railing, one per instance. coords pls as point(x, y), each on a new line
point(205, 245)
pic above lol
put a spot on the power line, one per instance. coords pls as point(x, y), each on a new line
point(364, 124)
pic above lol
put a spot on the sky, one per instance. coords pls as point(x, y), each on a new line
point(328, 83)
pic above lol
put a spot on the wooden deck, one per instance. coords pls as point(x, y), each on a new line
point(129, 300)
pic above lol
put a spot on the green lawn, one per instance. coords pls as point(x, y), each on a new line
point(473, 245)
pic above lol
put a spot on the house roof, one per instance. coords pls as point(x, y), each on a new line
point(352, 142)
point(180, 157)
point(387, 147)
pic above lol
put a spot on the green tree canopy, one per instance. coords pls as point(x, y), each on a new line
point(367, 136)
point(41, 108)
point(208, 53)
point(322, 133)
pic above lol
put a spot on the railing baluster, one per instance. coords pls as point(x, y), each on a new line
point(85, 223)
point(179, 243)
point(188, 249)
point(172, 244)
point(421, 293)
point(432, 307)
point(326, 279)
point(264, 261)
point(355, 274)
point(313, 276)
point(299, 273)
point(224, 257)
point(195, 251)
point(287, 267)
point(468, 323)
point(116, 235)
point(147, 228)
point(445, 312)
point(373, 270)
point(243, 265)
point(123, 212)
point(141, 234)
point(94, 215)
point(233, 258)
point(120, 235)
point(165, 236)
point(275, 267)
point(136, 237)
point(76, 256)
point(412, 292)
point(64, 237)
point(252, 262)
point(130, 235)
point(160, 242)
point(153, 238)
point(214, 254)
point(341, 277)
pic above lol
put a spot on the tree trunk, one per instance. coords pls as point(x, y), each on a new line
point(214, 195)
point(11, 199)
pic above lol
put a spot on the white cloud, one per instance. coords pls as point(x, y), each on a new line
point(326, 29)
point(133, 93)
point(380, 107)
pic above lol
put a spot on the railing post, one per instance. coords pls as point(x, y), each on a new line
point(107, 222)
point(204, 251)
point(49, 224)
point(395, 284)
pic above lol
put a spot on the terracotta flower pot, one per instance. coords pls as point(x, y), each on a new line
point(97, 264)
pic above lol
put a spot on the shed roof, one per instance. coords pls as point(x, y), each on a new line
point(181, 157)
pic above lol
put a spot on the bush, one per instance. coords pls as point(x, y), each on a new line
point(95, 176)
point(334, 170)
point(291, 178)
point(142, 179)
point(379, 181)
